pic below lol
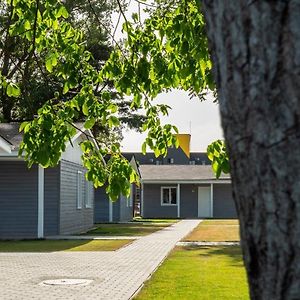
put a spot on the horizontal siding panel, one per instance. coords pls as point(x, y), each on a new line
point(18, 200)
point(51, 205)
point(223, 206)
point(152, 203)
point(101, 210)
point(73, 220)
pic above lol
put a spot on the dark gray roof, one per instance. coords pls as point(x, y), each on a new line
point(179, 173)
point(199, 158)
point(10, 133)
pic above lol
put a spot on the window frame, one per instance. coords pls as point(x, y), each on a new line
point(170, 197)
point(89, 194)
point(79, 191)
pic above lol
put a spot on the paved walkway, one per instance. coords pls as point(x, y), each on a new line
point(117, 275)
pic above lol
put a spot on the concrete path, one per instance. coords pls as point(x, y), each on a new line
point(117, 275)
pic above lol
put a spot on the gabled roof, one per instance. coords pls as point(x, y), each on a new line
point(11, 138)
point(179, 173)
point(9, 132)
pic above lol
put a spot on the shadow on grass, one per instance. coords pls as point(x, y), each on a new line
point(234, 253)
point(41, 245)
point(128, 229)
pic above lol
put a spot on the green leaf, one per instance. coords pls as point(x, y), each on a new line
point(13, 90)
point(144, 148)
point(157, 152)
point(85, 109)
point(22, 126)
point(66, 88)
point(89, 123)
point(49, 66)
point(27, 25)
point(113, 121)
point(62, 12)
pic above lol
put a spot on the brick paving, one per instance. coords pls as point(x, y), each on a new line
point(116, 275)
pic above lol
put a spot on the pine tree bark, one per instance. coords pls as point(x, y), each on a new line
point(255, 47)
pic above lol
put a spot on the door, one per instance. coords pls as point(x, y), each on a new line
point(204, 202)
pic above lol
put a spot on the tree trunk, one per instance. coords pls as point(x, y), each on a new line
point(255, 47)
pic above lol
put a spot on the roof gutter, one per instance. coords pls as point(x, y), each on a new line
point(202, 181)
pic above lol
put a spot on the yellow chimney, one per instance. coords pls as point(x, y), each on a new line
point(184, 143)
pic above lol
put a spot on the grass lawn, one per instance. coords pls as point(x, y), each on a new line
point(141, 220)
point(215, 231)
point(128, 229)
point(192, 273)
point(61, 245)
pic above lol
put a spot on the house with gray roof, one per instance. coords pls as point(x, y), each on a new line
point(39, 202)
point(183, 185)
point(185, 191)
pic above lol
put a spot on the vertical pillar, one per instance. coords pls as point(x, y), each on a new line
point(110, 211)
point(178, 200)
point(41, 184)
point(142, 200)
point(212, 200)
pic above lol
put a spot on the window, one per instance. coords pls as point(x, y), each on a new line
point(171, 160)
point(192, 162)
point(79, 190)
point(158, 162)
point(89, 194)
point(168, 196)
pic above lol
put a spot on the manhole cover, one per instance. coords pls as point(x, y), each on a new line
point(66, 281)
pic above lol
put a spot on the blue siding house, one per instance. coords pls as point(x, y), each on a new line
point(185, 191)
point(38, 202)
point(182, 185)
point(121, 210)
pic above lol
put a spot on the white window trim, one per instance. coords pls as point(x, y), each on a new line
point(161, 195)
point(79, 195)
point(89, 194)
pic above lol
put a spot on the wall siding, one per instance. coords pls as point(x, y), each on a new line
point(152, 203)
point(51, 198)
point(18, 200)
point(116, 210)
point(126, 211)
point(101, 210)
point(73, 220)
point(188, 201)
point(223, 204)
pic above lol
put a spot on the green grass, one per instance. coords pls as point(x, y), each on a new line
point(192, 273)
point(221, 222)
point(128, 229)
point(215, 231)
point(61, 245)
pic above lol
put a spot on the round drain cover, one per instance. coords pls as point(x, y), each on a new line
point(67, 281)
